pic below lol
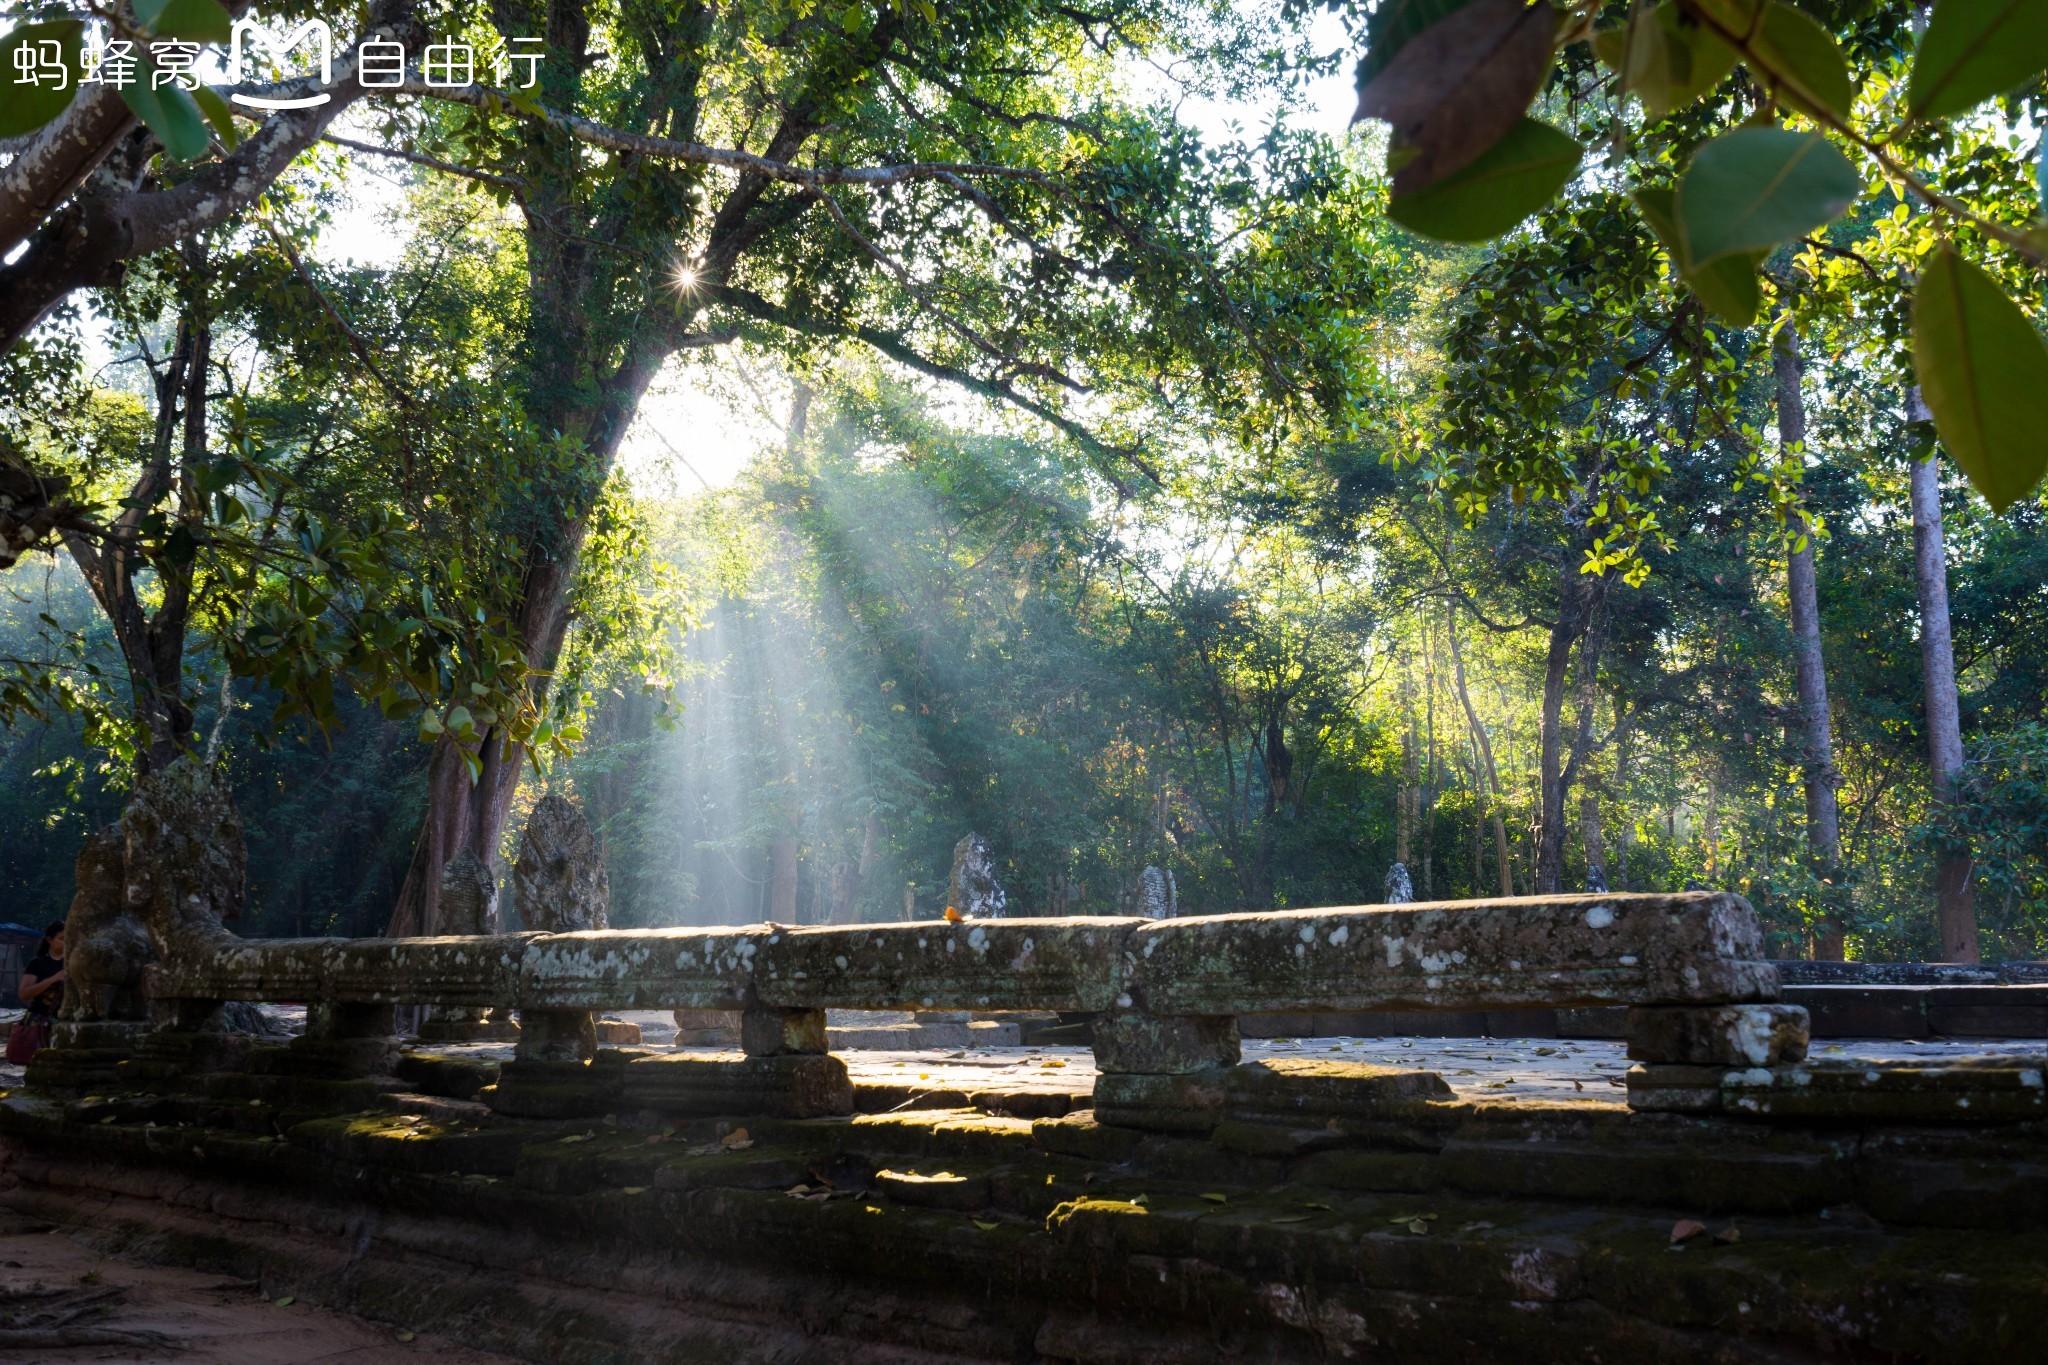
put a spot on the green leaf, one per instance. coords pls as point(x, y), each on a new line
point(1974, 49)
point(170, 113)
point(1728, 286)
point(1983, 371)
point(1394, 24)
point(1459, 86)
point(217, 113)
point(1753, 188)
point(1665, 59)
point(1804, 66)
point(1511, 180)
point(193, 21)
point(26, 107)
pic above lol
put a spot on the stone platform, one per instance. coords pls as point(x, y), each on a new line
point(1476, 1201)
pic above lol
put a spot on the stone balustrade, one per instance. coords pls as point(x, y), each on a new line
point(1166, 993)
point(1696, 948)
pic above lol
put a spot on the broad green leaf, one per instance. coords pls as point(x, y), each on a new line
point(194, 21)
point(1728, 286)
point(1754, 188)
point(170, 113)
point(1665, 59)
point(1458, 87)
point(218, 114)
point(1393, 24)
point(40, 67)
point(146, 11)
point(1983, 371)
point(1805, 68)
point(1511, 180)
point(1736, 16)
point(1974, 49)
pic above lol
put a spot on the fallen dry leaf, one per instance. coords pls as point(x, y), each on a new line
point(403, 1335)
point(1729, 1235)
point(1217, 1198)
point(736, 1140)
point(986, 1227)
point(1685, 1229)
point(1419, 1228)
point(1289, 1218)
point(286, 1302)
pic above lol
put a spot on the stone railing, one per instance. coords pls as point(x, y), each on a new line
point(1167, 993)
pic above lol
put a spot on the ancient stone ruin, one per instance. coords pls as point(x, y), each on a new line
point(973, 889)
point(1157, 895)
point(559, 877)
point(1156, 1196)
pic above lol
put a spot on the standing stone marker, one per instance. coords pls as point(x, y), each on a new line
point(559, 875)
point(973, 889)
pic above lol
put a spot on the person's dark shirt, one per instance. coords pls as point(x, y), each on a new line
point(42, 968)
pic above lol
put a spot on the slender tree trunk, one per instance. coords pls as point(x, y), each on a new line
point(1576, 597)
point(1809, 664)
point(1503, 860)
point(1589, 834)
point(1955, 902)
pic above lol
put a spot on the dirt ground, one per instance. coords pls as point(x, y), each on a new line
point(181, 1316)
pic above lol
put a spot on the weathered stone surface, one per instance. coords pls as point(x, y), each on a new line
point(792, 1086)
point(183, 857)
point(1189, 1103)
point(556, 1036)
point(1700, 947)
point(1966, 1090)
point(1718, 1035)
point(468, 903)
point(554, 1089)
point(1172, 1046)
point(707, 969)
point(1015, 964)
point(935, 1190)
point(707, 1028)
point(107, 946)
point(1302, 1087)
point(972, 889)
point(1158, 897)
point(768, 1032)
point(559, 876)
point(1399, 888)
point(925, 1033)
point(473, 971)
point(618, 1033)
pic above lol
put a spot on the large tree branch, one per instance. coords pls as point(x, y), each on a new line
point(87, 242)
point(595, 134)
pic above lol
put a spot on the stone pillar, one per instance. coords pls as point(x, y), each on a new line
point(1164, 1073)
point(467, 905)
point(782, 1033)
point(343, 1042)
point(556, 1036)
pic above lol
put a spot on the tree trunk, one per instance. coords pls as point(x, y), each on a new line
point(1809, 665)
point(1577, 594)
point(782, 869)
point(1589, 834)
point(1955, 902)
point(1503, 860)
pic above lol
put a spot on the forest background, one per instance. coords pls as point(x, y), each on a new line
point(1519, 608)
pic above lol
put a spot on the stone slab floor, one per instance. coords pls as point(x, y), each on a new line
point(1494, 1069)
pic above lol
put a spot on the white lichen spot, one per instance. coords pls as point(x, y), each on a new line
point(1123, 1001)
point(1340, 935)
point(1308, 933)
point(2030, 1080)
point(1599, 917)
point(840, 962)
point(1628, 959)
point(1394, 946)
point(977, 940)
point(1754, 1076)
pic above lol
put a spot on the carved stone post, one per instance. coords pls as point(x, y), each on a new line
point(1163, 1072)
